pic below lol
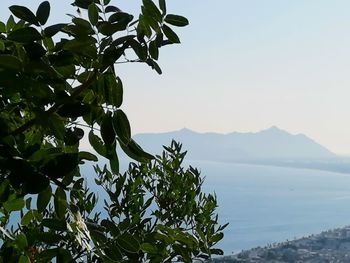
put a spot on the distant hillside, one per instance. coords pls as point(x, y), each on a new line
point(269, 144)
point(329, 246)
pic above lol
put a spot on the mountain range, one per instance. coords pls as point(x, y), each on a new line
point(272, 143)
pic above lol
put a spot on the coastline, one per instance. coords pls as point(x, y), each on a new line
point(328, 246)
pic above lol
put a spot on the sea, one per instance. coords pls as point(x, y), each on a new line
point(266, 205)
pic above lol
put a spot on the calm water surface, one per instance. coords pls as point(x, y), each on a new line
point(272, 204)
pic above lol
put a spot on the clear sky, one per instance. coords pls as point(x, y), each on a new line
point(245, 65)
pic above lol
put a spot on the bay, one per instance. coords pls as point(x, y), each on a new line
point(266, 204)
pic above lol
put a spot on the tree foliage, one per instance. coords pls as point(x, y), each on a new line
point(54, 81)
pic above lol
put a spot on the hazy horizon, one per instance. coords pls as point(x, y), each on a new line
point(230, 132)
point(244, 66)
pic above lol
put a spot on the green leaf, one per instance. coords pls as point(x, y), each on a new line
point(149, 248)
point(87, 156)
point(153, 49)
point(24, 35)
point(113, 158)
point(49, 238)
point(25, 220)
point(114, 253)
point(64, 255)
point(111, 55)
point(66, 71)
point(108, 28)
point(4, 190)
point(201, 234)
point(83, 3)
point(176, 20)
point(82, 23)
point(44, 198)
point(152, 23)
point(122, 126)
point(215, 251)
point(10, 23)
point(60, 203)
point(154, 65)
point(118, 93)
point(24, 259)
point(62, 58)
point(10, 62)
point(50, 31)
point(78, 44)
point(55, 224)
point(14, 205)
point(110, 227)
point(113, 89)
point(107, 131)
point(61, 164)
point(122, 40)
point(162, 6)
point(43, 12)
point(140, 50)
point(185, 239)
point(134, 151)
point(183, 252)
point(2, 27)
point(37, 67)
point(28, 203)
point(93, 14)
point(74, 110)
point(128, 243)
point(24, 13)
point(55, 123)
point(223, 227)
point(97, 144)
point(34, 50)
point(216, 238)
point(152, 9)
point(112, 9)
point(98, 236)
point(170, 34)
point(48, 43)
point(121, 17)
point(73, 136)
point(21, 241)
point(143, 28)
point(84, 76)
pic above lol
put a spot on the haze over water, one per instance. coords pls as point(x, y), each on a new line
point(272, 204)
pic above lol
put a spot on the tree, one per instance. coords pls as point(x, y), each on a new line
point(54, 81)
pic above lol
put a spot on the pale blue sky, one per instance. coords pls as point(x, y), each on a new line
point(244, 66)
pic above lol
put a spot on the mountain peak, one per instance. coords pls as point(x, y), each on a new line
point(271, 143)
point(274, 129)
point(186, 130)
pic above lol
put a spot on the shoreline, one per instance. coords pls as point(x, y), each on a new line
point(327, 246)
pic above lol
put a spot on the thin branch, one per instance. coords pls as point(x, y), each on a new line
point(3, 230)
point(79, 255)
point(154, 225)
